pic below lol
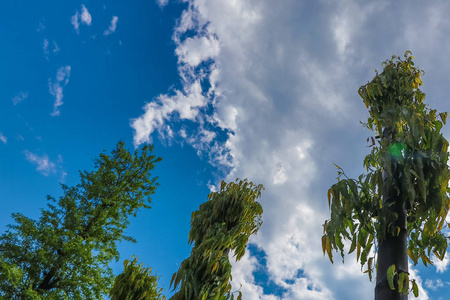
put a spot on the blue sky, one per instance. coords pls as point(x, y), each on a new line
point(262, 90)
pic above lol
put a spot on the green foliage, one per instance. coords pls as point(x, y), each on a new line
point(415, 288)
point(403, 282)
point(416, 154)
point(65, 254)
point(222, 224)
point(9, 273)
point(136, 283)
point(391, 273)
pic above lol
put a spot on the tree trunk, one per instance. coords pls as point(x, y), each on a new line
point(393, 249)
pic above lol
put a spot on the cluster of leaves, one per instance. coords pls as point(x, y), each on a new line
point(401, 279)
point(136, 282)
point(412, 153)
point(65, 254)
point(222, 224)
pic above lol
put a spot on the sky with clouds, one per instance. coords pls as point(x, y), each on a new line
point(264, 90)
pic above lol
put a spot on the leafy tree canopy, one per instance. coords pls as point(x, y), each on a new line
point(222, 224)
point(65, 254)
point(136, 282)
point(411, 151)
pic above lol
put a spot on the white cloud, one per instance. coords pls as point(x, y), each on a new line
point(43, 164)
point(280, 176)
point(56, 88)
point(277, 84)
point(441, 265)
point(45, 47)
point(195, 50)
point(19, 97)
point(242, 272)
point(184, 103)
point(75, 22)
point(191, 102)
point(41, 27)
point(434, 284)
point(112, 26)
point(46, 50)
point(414, 274)
point(212, 188)
point(162, 3)
point(347, 21)
point(3, 138)
point(85, 17)
point(56, 49)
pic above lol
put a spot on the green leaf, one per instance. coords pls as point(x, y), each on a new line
point(425, 259)
point(353, 187)
point(414, 173)
point(396, 149)
point(328, 248)
point(406, 284)
point(353, 245)
point(432, 115)
point(444, 117)
point(330, 192)
point(413, 255)
point(339, 243)
point(438, 125)
point(401, 280)
point(324, 244)
point(421, 179)
point(358, 250)
point(364, 254)
point(415, 289)
point(390, 276)
point(370, 267)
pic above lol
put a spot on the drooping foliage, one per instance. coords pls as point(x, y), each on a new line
point(222, 224)
point(136, 282)
point(65, 254)
point(409, 148)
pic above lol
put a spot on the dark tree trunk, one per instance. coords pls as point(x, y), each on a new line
point(393, 249)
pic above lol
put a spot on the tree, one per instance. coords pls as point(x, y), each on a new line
point(398, 209)
point(136, 283)
point(222, 224)
point(65, 254)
